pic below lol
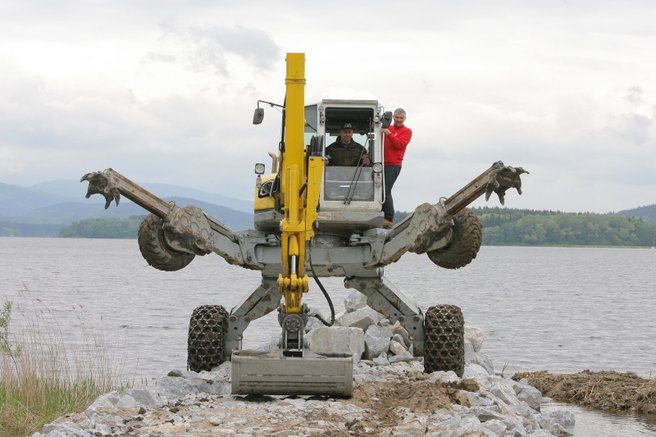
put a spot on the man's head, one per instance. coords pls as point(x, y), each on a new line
point(399, 117)
point(346, 133)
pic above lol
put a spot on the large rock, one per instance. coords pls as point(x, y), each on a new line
point(488, 413)
point(337, 340)
point(313, 322)
point(475, 371)
point(377, 341)
point(475, 336)
point(403, 356)
point(503, 390)
point(396, 348)
point(529, 394)
point(514, 426)
point(460, 426)
point(381, 360)
point(485, 362)
point(399, 339)
point(398, 329)
point(354, 301)
point(559, 422)
point(444, 377)
point(360, 318)
point(496, 426)
point(473, 357)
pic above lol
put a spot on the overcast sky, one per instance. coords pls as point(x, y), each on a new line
point(163, 91)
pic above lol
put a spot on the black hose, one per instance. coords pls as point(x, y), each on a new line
point(325, 293)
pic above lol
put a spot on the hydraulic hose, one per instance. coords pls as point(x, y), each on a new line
point(325, 294)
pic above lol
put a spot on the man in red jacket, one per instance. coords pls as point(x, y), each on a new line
point(397, 137)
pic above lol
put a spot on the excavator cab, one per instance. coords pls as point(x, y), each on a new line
point(351, 197)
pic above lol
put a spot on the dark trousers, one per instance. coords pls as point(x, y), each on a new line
point(391, 173)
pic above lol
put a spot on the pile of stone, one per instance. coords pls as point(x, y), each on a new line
point(362, 332)
point(367, 334)
point(198, 404)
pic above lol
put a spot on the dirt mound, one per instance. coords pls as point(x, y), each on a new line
point(606, 390)
point(384, 399)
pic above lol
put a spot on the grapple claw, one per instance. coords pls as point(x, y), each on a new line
point(503, 178)
point(102, 183)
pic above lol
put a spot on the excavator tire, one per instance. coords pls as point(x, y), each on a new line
point(465, 244)
point(205, 343)
point(444, 339)
point(154, 249)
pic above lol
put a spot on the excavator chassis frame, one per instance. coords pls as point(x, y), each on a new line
point(360, 262)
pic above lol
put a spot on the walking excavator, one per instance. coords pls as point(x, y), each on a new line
point(319, 220)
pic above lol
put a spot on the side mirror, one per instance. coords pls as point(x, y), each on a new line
point(258, 115)
point(386, 119)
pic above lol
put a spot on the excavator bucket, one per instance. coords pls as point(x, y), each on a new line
point(272, 373)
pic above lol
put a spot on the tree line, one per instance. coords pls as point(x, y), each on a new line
point(538, 228)
point(501, 227)
point(525, 227)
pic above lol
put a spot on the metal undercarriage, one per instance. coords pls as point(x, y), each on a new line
point(359, 257)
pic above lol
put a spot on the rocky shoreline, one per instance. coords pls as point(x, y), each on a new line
point(392, 396)
point(398, 399)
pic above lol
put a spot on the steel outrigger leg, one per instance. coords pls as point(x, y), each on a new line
point(386, 298)
point(264, 299)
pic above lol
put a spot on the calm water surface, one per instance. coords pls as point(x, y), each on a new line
point(559, 309)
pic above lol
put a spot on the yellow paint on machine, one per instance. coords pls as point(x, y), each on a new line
point(300, 184)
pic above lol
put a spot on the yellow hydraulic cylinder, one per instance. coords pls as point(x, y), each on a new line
point(300, 178)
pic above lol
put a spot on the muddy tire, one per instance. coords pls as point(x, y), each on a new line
point(444, 339)
point(205, 343)
point(465, 244)
point(154, 249)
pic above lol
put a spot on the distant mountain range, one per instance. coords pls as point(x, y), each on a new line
point(44, 209)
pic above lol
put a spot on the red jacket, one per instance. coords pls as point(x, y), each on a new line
point(395, 144)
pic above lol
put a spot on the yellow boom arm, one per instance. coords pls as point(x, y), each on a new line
point(300, 177)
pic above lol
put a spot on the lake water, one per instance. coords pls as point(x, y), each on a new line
point(556, 309)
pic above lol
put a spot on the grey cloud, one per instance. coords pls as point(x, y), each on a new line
point(634, 95)
point(208, 54)
point(83, 123)
point(206, 47)
point(633, 128)
point(158, 140)
point(253, 45)
point(636, 126)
